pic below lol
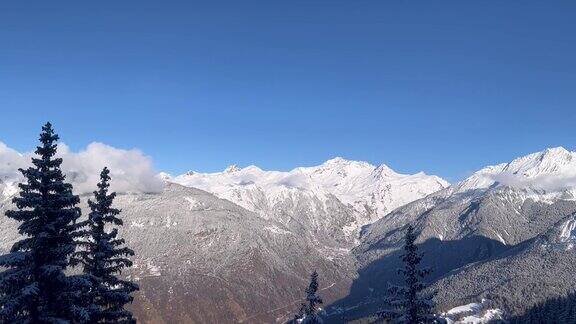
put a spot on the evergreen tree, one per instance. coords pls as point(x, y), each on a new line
point(409, 303)
point(313, 300)
point(103, 257)
point(33, 285)
point(300, 314)
point(560, 309)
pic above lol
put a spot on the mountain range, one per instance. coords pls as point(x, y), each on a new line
point(503, 234)
point(238, 245)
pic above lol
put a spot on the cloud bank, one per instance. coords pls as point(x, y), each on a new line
point(548, 182)
point(131, 170)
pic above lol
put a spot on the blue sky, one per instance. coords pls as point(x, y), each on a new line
point(441, 86)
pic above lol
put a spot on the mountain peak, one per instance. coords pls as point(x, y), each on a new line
point(355, 184)
point(556, 153)
point(555, 150)
point(551, 169)
point(232, 168)
point(384, 171)
point(337, 160)
point(549, 161)
point(165, 176)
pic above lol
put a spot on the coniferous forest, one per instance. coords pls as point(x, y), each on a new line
point(38, 283)
point(555, 310)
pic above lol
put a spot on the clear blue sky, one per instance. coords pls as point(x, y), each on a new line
point(441, 86)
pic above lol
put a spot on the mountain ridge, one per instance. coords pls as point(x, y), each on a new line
point(480, 225)
point(369, 191)
point(189, 239)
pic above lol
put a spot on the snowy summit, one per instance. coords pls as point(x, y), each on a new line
point(372, 191)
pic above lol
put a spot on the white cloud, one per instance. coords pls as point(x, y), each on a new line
point(10, 161)
point(548, 182)
point(131, 170)
point(296, 180)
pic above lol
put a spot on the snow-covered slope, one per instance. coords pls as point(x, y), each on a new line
point(473, 313)
point(369, 192)
point(202, 259)
point(238, 246)
point(497, 201)
point(8, 188)
point(550, 171)
point(481, 218)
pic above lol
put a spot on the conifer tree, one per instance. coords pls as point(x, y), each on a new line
point(298, 316)
point(33, 285)
point(103, 256)
point(313, 300)
point(410, 303)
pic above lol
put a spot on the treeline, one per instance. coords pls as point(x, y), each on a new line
point(36, 281)
point(555, 310)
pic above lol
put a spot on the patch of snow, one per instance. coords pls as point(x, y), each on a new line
point(136, 224)
point(277, 230)
point(567, 230)
point(332, 253)
point(500, 238)
point(153, 270)
point(473, 313)
point(487, 317)
point(10, 189)
point(350, 229)
point(193, 204)
point(470, 308)
point(169, 223)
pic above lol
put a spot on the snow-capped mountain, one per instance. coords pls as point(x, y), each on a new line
point(202, 259)
point(546, 173)
point(493, 214)
point(240, 247)
point(514, 187)
point(550, 171)
point(243, 251)
point(362, 191)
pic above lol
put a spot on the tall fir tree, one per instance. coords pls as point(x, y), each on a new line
point(34, 287)
point(103, 256)
point(301, 312)
point(410, 303)
point(312, 301)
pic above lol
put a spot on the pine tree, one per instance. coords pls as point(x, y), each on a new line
point(103, 257)
point(33, 286)
point(301, 312)
point(313, 300)
point(410, 304)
